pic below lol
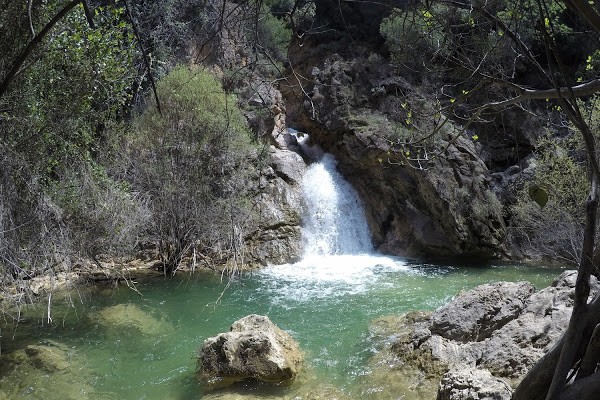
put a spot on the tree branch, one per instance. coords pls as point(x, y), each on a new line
point(144, 56)
point(591, 357)
point(16, 66)
point(585, 10)
point(583, 90)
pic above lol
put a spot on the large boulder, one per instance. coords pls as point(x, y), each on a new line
point(255, 348)
point(475, 314)
point(277, 239)
point(511, 351)
point(502, 329)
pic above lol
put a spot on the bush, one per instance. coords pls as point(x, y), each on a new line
point(554, 229)
point(193, 162)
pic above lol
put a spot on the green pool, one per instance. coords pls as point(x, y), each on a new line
point(114, 343)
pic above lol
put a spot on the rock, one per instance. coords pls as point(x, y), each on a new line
point(472, 384)
point(442, 207)
point(132, 319)
point(48, 358)
point(277, 239)
point(288, 165)
point(307, 391)
point(512, 350)
point(389, 377)
point(503, 327)
point(253, 349)
point(475, 314)
point(45, 371)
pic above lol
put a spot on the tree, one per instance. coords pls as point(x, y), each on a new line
point(66, 73)
point(463, 37)
point(194, 162)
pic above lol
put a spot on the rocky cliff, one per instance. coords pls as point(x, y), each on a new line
point(354, 104)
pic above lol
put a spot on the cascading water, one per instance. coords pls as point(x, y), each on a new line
point(338, 256)
point(334, 221)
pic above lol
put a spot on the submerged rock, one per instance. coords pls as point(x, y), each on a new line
point(129, 317)
point(45, 371)
point(255, 348)
point(307, 391)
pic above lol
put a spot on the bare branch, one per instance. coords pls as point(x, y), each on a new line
point(583, 90)
point(586, 10)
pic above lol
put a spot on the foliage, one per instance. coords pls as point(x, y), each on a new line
point(192, 163)
point(274, 34)
point(554, 230)
point(56, 200)
point(457, 46)
point(412, 38)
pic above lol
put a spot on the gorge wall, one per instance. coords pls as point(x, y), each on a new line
point(350, 103)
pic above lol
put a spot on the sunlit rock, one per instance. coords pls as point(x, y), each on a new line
point(490, 332)
point(473, 384)
point(255, 348)
point(511, 351)
point(279, 202)
point(475, 314)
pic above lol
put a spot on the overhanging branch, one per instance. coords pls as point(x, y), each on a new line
point(583, 90)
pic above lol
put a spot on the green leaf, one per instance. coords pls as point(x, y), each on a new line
point(538, 194)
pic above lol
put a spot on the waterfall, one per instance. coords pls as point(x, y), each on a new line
point(338, 256)
point(334, 221)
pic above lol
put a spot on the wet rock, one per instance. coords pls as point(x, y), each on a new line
point(390, 374)
point(390, 377)
point(472, 384)
point(308, 391)
point(45, 371)
point(48, 358)
point(475, 314)
point(255, 349)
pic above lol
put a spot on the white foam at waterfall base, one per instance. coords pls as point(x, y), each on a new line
point(338, 257)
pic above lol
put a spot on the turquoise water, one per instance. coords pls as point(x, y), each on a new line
point(326, 309)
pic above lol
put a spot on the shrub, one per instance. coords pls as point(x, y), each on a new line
point(193, 163)
point(553, 229)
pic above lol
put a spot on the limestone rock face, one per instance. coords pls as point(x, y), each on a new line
point(511, 351)
point(278, 239)
point(502, 329)
point(255, 348)
point(472, 384)
point(353, 111)
point(474, 315)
